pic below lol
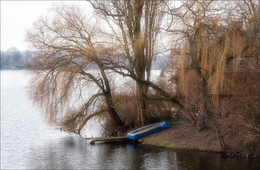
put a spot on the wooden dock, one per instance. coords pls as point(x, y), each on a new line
point(108, 139)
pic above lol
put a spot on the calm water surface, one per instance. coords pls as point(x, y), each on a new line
point(27, 142)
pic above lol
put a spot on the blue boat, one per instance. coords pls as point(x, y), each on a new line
point(147, 130)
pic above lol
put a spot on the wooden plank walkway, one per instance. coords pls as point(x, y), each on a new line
point(108, 139)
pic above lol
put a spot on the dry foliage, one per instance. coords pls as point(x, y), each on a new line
point(70, 63)
point(134, 26)
point(210, 40)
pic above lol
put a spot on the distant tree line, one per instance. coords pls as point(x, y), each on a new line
point(15, 59)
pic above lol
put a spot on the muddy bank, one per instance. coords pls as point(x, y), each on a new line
point(238, 140)
point(184, 136)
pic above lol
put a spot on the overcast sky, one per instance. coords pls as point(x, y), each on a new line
point(17, 16)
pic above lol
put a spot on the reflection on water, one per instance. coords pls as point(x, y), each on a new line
point(75, 152)
point(28, 143)
point(204, 160)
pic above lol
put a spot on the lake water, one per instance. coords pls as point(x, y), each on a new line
point(27, 142)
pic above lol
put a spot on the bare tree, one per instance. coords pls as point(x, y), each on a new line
point(134, 27)
point(205, 43)
point(70, 62)
point(209, 36)
point(198, 28)
point(249, 13)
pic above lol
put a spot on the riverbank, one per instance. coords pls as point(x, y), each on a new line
point(184, 137)
point(239, 141)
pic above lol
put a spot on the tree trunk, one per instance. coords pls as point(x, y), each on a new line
point(203, 108)
point(143, 114)
point(111, 108)
point(141, 89)
point(113, 114)
point(219, 135)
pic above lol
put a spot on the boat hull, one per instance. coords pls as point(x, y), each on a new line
point(147, 130)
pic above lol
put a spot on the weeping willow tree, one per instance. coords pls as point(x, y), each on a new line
point(209, 37)
point(69, 80)
point(199, 31)
point(206, 40)
point(134, 27)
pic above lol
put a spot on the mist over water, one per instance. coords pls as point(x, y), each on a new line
point(27, 142)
